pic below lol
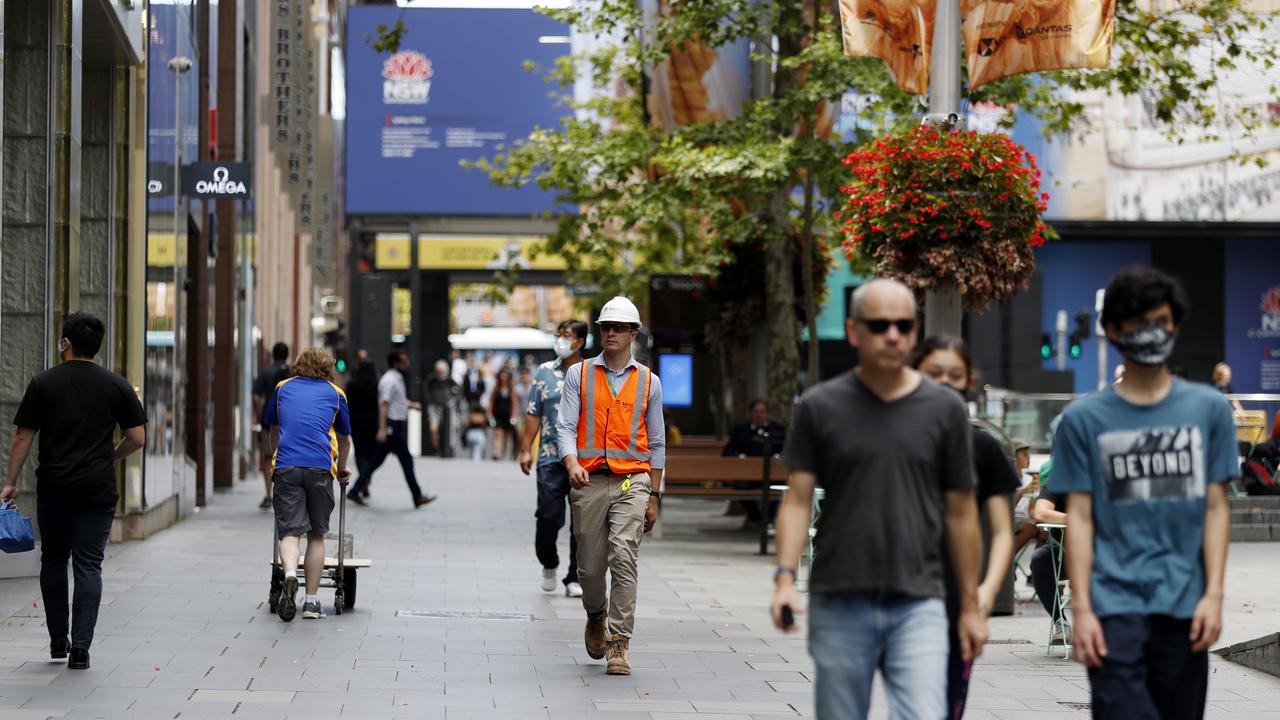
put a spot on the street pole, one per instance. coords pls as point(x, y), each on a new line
point(1101, 337)
point(943, 312)
point(1061, 327)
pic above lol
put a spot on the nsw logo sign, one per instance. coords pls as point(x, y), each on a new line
point(407, 78)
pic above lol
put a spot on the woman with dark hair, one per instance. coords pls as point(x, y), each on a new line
point(946, 360)
point(362, 401)
point(502, 409)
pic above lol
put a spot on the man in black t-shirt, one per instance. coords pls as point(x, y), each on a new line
point(264, 389)
point(892, 452)
point(76, 408)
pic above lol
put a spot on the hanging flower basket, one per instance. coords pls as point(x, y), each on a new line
point(941, 209)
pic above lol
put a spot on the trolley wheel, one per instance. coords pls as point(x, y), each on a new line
point(337, 602)
point(277, 587)
point(349, 587)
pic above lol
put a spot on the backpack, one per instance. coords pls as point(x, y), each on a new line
point(1259, 469)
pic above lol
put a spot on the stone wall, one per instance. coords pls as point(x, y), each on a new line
point(23, 299)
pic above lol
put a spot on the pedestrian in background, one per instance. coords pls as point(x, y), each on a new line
point(263, 387)
point(1145, 467)
point(945, 360)
point(311, 435)
point(393, 431)
point(893, 452)
point(75, 408)
point(541, 418)
point(748, 439)
point(1222, 382)
point(362, 402)
point(502, 411)
point(612, 440)
point(441, 392)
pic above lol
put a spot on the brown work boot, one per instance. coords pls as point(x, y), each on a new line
point(619, 663)
point(594, 636)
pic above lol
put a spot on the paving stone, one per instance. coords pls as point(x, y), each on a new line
point(704, 646)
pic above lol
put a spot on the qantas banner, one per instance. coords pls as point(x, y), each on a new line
point(1008, 37)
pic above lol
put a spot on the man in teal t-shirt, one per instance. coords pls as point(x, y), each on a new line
point(1144, 464)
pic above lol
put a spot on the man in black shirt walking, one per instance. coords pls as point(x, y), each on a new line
point(76, 408)
point(893, 454)
point(264, 388)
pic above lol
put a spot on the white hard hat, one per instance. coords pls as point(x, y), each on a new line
point(619, 309)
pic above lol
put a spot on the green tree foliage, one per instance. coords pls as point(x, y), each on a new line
point(656, 200)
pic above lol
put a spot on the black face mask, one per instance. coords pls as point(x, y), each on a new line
point(1150, 346)
point(964, 394)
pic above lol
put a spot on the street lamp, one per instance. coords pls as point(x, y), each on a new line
point(179, 64)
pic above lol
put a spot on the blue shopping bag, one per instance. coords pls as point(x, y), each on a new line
point(16, 534)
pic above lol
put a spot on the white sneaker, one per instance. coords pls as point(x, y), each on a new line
point(548, 579)
point(573, 589)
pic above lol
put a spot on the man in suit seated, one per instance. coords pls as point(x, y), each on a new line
point(745, 441)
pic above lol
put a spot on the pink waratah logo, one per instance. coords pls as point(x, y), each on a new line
point(1271, 301)
point(407, 65)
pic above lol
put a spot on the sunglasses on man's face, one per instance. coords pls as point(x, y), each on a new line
point(880, 327)
point(614, 327)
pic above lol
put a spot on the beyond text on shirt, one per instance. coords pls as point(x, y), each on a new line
point(1147, 468)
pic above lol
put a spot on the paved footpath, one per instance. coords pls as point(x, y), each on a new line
point(185, 631)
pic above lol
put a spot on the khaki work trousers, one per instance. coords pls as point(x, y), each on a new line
point(608, 520)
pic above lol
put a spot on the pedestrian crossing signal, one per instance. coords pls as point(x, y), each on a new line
point(1046, 346)
point(341, 365)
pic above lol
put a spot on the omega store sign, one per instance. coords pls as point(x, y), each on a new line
point(217, 180)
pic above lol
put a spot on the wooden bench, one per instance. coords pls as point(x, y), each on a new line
point(709, 475)
point(699, 445)
point(716, 476)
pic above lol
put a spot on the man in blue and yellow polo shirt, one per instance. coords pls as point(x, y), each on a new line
point(311, 436)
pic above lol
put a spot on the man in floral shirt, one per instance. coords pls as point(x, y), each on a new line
point(553, 479)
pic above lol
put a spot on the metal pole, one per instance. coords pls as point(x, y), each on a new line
point(763, 438)
point(943, 310)
point(1101, 337)
point(1061, 327)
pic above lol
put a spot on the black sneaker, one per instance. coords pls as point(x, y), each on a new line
point(58, 647)
point(286, 607)
point(79, 659)
point(355, 498)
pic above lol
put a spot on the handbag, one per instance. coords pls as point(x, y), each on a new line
point(16, 534)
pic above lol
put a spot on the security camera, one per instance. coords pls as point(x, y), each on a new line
point(180, 64)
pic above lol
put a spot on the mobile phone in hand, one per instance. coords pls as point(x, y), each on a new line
point(788, 617)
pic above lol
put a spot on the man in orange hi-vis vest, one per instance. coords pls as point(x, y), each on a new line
point(613, 443)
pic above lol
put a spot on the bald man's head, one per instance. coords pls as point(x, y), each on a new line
point(877, 289)
point(882, 324)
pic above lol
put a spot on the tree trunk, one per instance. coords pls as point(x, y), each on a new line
point(807, 270)
point(780, 313)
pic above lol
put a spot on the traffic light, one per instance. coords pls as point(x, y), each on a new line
point(341, 365)
point(1079, 335)
point(1046, 346)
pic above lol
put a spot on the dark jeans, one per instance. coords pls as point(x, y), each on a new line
point(79, 534)
point(1150, 672)
point(397, 444)
point(553, 495)
point(1042, 578)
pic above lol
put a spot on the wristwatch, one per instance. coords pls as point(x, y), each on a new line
point(783, 570)
point(655, 492)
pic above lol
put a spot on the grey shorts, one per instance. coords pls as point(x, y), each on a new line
point(303, 501)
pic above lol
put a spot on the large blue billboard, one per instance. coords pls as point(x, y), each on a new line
point(456, 90)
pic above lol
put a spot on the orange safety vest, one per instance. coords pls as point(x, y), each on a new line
point(612, 429)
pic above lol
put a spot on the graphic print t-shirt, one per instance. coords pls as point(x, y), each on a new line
point(1147, 468)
